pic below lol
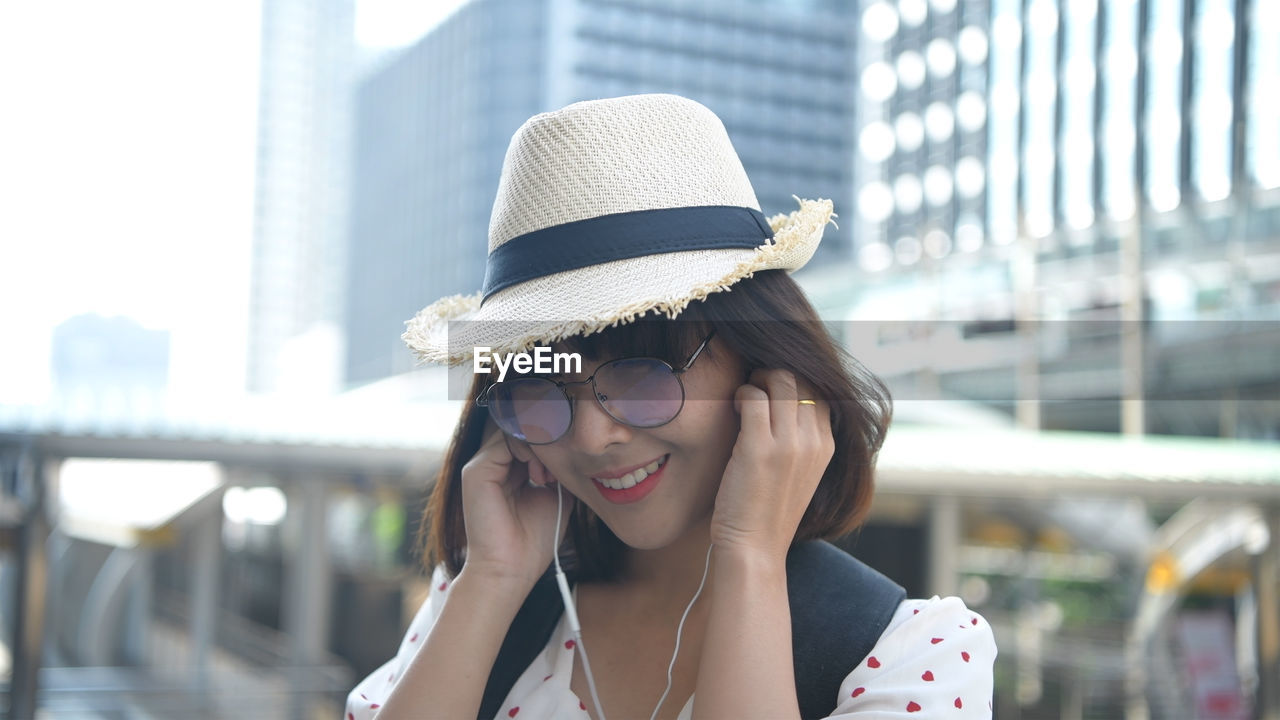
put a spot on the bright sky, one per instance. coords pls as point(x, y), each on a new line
point(126, 173)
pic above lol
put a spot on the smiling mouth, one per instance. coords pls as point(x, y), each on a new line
point(633, 478)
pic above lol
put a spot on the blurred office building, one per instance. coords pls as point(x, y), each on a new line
point(307, 65)
point(433, 125)
point(108, 366)
point(1097, 180)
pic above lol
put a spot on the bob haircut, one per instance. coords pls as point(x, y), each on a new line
point(769, 323)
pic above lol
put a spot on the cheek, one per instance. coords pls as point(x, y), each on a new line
point(553, 461)
point(712, 427)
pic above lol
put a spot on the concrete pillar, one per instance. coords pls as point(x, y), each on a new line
point(206, 566)
point(945, 535)
point(138, 607)
point(31, 578)
point(1030, 327)
point(309, 578)
point(1267, 587)
point(1133, 411)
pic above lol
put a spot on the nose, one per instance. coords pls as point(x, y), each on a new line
point(594, 430)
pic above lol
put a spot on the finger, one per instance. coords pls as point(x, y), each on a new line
point(781, 388)
point(814, 421)
point(493, 462)
point(538, 475)
point(814, 418)
point(814, 424)
point(815, 405)
point(519, 449)
point(752, 404)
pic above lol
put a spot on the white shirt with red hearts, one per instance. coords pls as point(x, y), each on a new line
point(935, 658)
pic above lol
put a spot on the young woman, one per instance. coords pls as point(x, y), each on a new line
point(683, 477)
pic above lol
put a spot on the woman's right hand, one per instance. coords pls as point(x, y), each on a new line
point(510, 524)
point(510, 529)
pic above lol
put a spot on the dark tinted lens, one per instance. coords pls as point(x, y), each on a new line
point(530, 409)
point(643, 392)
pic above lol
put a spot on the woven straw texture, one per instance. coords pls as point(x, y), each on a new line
point(642, 152)
point(597, 158)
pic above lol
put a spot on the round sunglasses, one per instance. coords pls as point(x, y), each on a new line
point(642, 392)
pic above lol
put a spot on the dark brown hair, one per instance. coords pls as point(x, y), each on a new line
point(769, 323)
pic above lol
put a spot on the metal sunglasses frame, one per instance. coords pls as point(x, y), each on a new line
point(483, 399)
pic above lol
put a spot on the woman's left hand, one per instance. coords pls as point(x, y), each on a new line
point(782, 451)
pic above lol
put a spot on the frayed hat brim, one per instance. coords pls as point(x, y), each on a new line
point(591, 299)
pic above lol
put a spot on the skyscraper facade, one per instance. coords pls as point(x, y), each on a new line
point(990, 121)
point(433, 125)
point(306, 71)
point(1105, 161)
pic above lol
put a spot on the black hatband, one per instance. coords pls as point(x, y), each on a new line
point(622, 235)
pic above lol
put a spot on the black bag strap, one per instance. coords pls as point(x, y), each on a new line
point(839, 609)
point(528, 635)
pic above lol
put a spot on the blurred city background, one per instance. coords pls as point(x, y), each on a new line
point(1059, 242)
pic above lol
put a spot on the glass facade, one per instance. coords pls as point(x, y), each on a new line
point(923, 131)
point(777, 74)
point(1262, 121)
point(1117, 108)
point(1089, 161)
point(303, 144)
point(983, 122)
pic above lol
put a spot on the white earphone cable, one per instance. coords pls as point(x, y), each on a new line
point(679, 630)
point(571, 614)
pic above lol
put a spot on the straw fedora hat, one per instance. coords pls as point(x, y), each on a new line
point(608, 210)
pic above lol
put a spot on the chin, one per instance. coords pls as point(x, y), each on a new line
point(649, 537)
point(642, 539)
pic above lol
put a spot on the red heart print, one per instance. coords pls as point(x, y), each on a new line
point(568, 644)
point(927, 676)
point(512, 712)
point(581, 706)
point(363, 696)
point(964, 655)
point(935, 641)
point(414, 638)
point(958, 703)
point(351, 716)
point(872, 662)
point(374, 706)
point(916, 611)
point(546, 678)
point(974, 621)
point(443, 585)
point(858, 691)
point(913, 706)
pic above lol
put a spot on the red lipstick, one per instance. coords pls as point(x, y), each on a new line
point(636, 492)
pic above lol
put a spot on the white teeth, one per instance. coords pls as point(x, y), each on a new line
point(632, 478)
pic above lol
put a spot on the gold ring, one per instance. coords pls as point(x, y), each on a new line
point(808, 402)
